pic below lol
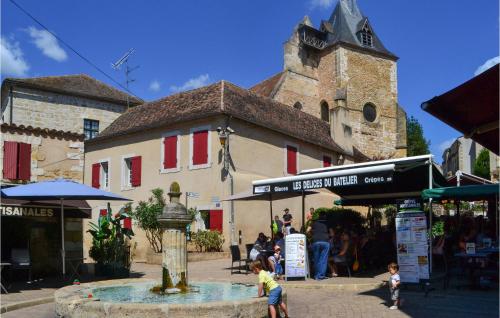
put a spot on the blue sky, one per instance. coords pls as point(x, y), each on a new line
point(183, 44)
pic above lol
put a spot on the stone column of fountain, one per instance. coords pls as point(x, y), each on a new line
point(173, 221)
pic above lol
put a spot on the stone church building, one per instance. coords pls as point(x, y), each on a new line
point(342, 73)
point(335, 102)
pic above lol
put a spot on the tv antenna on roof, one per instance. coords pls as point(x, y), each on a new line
point(117, 66)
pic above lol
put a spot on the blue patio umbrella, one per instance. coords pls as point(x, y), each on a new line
point(59, 189)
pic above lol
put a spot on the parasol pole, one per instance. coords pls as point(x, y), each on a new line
point(303, 212)
point(271, 213)
point(430, 217)
point(63, 252)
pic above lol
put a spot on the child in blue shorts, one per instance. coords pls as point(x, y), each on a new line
point(272, 288)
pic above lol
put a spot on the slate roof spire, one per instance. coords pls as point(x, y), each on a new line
point(347, 26)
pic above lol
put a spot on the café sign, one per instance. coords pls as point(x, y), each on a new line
point(360, 179)
point(25, 211)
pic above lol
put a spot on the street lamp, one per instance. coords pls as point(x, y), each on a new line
point(224, 141)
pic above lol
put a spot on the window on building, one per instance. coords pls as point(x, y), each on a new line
point(132, 170)
point(100, 175)
point(366, 36)
point(325, 111)
point(90, 128)
point(370, 112)
point(170, 152)
point(200, 151)
point(105, 175)
point(291, 159)
point(327, 161)
point(297, 105)
point(16, 161)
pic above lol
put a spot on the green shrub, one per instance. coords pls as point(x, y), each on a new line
point(146, 214)
point(109, 244)
point(208, 241)
point(342, 218)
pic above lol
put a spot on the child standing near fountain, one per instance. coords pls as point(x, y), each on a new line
point(272, 288)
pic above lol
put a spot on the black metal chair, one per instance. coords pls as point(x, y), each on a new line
point(236, 258)
point(20, 259)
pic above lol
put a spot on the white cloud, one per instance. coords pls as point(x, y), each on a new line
point(323, 4)
point(445, 144)
point(488, 64)
point(48, 44)
point(12, 61)
point(154, 86)
point(193, 83)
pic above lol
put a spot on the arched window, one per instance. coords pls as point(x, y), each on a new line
point(370, 112)
point(297, 105)
point(325, 111)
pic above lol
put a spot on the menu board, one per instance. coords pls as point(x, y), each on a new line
point(412, 246)
point(296, 264)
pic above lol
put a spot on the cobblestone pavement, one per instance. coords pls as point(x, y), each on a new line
point(326, 303)
point(315, 302)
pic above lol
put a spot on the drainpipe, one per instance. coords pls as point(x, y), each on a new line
point(227, 166)
point(11, 100)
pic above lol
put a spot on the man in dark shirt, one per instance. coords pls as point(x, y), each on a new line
point(287, 221)
point(320, 246)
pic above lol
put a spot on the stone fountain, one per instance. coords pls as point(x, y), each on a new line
point(173, 297)
point(174, 220)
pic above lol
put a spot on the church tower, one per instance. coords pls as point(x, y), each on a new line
point(343, 74)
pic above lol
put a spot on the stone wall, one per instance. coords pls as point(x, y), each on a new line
point(371, 79)
point(52, 156)
point(50, 110)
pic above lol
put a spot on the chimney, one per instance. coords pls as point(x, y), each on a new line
point(340, 129)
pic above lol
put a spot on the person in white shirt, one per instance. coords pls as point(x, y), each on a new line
point(394, 284)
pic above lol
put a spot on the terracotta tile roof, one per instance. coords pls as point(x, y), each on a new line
point(5, 127)
point(219, 99)
point(267, 86)
point(79, 84)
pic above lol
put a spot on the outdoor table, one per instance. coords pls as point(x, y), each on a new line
point(2, 265)
point(74, 264)
point(472, 262)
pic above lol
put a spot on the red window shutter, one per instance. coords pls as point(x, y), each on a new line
point(291, 160)
point(327, 161)
point(200, 147)
point(96, 169)
point(24, 161)
point(216, 220)
point(136, 166)
point(10, 156)
point(170, 152)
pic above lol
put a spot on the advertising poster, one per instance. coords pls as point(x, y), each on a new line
point(412, 246)
point(296, 256)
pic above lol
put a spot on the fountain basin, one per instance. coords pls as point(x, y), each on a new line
point(132, 298)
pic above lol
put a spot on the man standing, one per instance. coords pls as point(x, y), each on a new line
point(320, 246)
point(277, 225)
point(287, 221)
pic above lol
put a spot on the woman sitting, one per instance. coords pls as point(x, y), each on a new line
point(258, 246)
point(345, 253)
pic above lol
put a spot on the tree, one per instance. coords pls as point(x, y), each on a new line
point(482, 164)
point(415, 140)
point(146, 214)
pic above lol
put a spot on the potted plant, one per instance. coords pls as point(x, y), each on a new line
point(110, 247)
